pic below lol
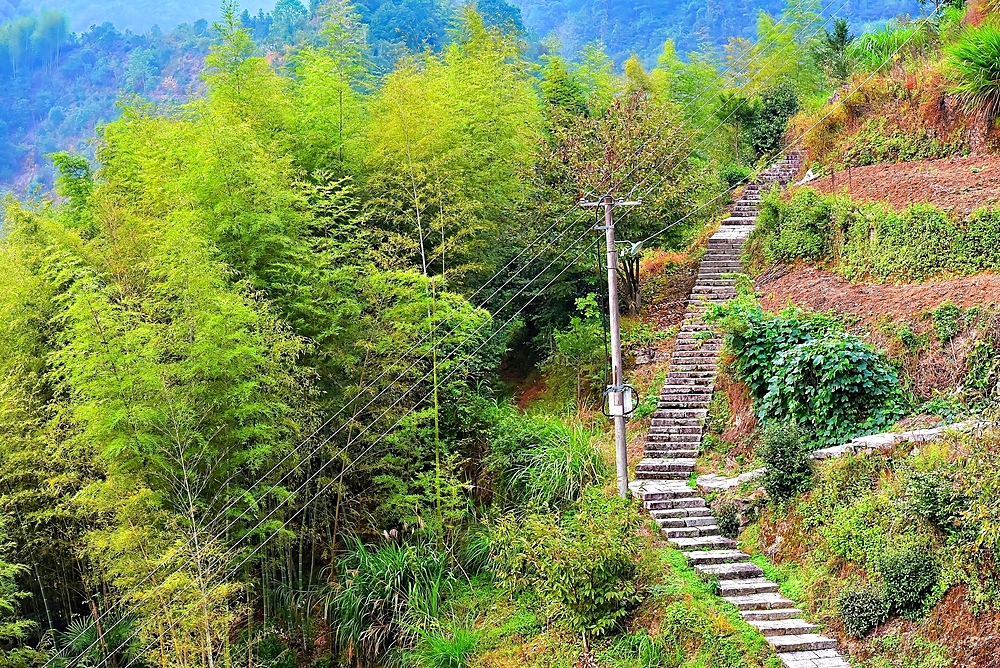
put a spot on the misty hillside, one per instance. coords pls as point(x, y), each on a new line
point(643, 26)
point(134, 15)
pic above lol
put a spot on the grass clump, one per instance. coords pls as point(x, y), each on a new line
point(861, 610)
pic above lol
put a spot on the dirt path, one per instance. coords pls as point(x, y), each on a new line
point(960, 185)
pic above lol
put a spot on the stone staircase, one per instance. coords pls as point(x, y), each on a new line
point(675, 437)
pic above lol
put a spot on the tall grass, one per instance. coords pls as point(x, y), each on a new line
point(874, 49)
point(975, 62)
point(384, 593)
point(544, 461)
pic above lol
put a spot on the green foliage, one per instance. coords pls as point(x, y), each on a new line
point(733, 174)
point(861, 610)
point(872, 241)
point(580, 566)
point(909, 576)
point(875, 143)
point(579, 348)
point(803, 368)
point(447, 648)
point(873, 49)
point(766, 128)
point(947, 321)
point(833, 51)
point(727, 518)
point(784, 450)
point(542, 460)
point(795, 229)
point(383, 590)
point(934, 496)
point(974, 61)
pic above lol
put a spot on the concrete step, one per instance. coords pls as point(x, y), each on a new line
point(747, 587)
point(768, 601)
point(686, 401)
point(783, 627)
point(716, 557)
point(672, 427)
point(650, 492)
point(686, 440)
point(804, 642)
point(730, 571)
point(680, 414)
point(765, 615)
point(667, 391)
point(702, 542)
point(678, 502)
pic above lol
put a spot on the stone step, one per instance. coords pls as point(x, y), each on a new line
point(667, 391)
point(687, 440)
point(764, 615)
point(702, 542)
point(760, 602)
point(686, 401)
point(805, 642)
point(660, 491)
point(743, 220)
point(680, 414)
point(824, 658)
point(677, 502)
point(649, 465)
point(663, 475)
point(730, 571)
point(783, 627)
point(690, 377)
point(671, 427)
point(716, 282)
point(681, 522)
point(712, 368)
point(747, 587)
point(666, 454)
point(665, 513)
point(716, 557)
point(708, 530)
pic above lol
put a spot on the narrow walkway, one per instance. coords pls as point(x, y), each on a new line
point(675, 438)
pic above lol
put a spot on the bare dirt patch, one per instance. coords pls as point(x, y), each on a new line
point(958, 185)
point(824, 291)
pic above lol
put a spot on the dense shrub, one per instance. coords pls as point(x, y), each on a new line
point(934, 496)
point(542, 460)
point(873, 241)
point(766, 127)
point(910, 574)
point(796, 229)
point(861, 610)
point(581, 566)
point(785, 452)
point(727, 518)
point(733, 174)
point(804, 368)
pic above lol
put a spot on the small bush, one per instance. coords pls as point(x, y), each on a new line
point(947, 320)
point(861, 610)
point(785, 452)
point(934, 496)
point(910, 575)
point(733, 175)
point(727, 518)
point(581, 566)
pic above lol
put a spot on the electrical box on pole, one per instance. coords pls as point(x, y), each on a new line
point(618, 393)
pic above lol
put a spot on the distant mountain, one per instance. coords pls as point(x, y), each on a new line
point(642, 26)
point(134, 15)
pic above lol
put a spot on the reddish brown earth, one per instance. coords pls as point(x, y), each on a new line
point(960, 185)
point(824, 291)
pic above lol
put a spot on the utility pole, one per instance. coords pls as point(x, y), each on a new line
point(615, 392)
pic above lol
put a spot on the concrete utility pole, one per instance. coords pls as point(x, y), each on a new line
point(616, 392)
